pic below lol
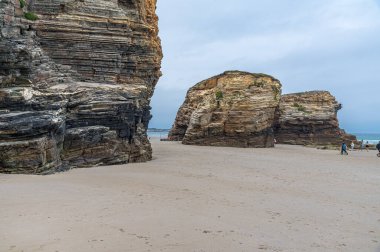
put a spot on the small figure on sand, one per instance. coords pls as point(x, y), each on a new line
point(367, 146)
point(274, 141)
point(344, 149)
point(352, 146)
point(378, 148)
point(361, 145)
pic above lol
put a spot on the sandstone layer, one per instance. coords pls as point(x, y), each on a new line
point(75, 84)
point(247, 110)
point(231, 109)
point(309, 118)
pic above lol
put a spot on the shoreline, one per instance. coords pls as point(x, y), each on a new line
point(164, 134)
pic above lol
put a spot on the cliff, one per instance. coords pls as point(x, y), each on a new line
point(309, 118)
point(75, 84)
point(231, 109)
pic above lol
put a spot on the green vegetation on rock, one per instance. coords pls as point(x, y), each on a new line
point(259, 84)
point(276, 92)
point(30, 16)
point(219, 95)
point(22, 3)
point(299, 107)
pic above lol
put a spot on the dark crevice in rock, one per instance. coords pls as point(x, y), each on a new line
point(127, 4)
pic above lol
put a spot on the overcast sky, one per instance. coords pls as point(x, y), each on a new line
point(308, 45)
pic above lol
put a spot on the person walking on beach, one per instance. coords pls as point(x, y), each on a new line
point(344, 149)
point(367, 146)
point(361, 145)
point(378, 148)
point(352, 146)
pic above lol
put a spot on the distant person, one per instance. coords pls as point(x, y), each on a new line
point(274, 141)
point(344, 149)
point(352, 146)
point(378, 148)
point(367, 146)
point(361, 145)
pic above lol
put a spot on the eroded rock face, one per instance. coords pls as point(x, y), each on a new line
point(231, 109)
point(240, 109)
point(75, 85)
point(309, 118)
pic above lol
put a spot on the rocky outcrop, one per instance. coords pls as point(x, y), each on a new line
point(231, 109)
point(75, 85)
point(247, 110)
point(309, 118)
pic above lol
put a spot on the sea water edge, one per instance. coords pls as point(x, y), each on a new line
point(371, 138)
point(158, 133)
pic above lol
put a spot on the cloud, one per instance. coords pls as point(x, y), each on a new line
point(315, 44)
point(351, 15)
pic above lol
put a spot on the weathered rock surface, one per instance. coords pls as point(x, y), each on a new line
point(75, 85)
point(231, 109)
point(250, 111)
point(309, 118)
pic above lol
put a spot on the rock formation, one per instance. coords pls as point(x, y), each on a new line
point(231, 109)
point(247, 110)
point(75, 84)
point(309, 118)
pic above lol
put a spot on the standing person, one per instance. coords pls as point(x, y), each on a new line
point(344, 149)
point(378, 148)
point(352, 146)
point(367, 146)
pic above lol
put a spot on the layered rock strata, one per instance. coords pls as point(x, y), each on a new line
point(231, 109)
point(247, 110)
point(309, 118)
point(75, 85)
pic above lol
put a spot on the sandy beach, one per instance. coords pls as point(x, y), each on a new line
point(193, 198)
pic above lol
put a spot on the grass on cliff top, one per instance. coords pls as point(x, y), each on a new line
point(30, 16)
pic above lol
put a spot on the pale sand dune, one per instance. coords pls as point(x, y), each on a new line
point(200, 199)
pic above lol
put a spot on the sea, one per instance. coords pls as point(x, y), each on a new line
point(160, 133)
point(372, 138)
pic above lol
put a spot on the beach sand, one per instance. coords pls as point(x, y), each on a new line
point(192, 198)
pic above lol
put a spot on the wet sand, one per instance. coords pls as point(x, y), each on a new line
point(200, 199)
